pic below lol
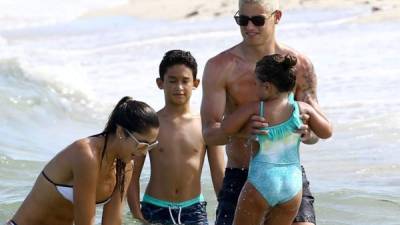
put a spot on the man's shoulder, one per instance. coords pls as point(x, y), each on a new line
point(303, 62)
point(221, 65)
point(306, 81)
point(224, 57)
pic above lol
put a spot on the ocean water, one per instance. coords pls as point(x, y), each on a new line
point(61, 74)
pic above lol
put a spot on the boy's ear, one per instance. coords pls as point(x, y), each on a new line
point(160, 83)
point(196, 83)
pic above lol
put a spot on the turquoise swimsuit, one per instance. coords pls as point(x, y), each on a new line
point(275, 170)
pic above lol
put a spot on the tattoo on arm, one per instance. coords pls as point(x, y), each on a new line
point(309, 87)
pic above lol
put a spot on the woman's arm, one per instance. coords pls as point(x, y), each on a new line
point(85, 169)
point(317, 121)
point(112, 211)
point(134, 188)
point(234, 122)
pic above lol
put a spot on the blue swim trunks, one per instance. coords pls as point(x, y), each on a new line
point(191, 212)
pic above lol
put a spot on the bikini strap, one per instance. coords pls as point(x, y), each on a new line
point(291, 97)
point(261, 108)
point(54, 183)
point(48, 179)
point(296, 110)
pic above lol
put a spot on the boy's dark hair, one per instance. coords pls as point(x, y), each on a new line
point(279, 70)
point(176, 57)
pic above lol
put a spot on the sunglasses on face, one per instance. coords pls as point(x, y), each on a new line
point(243, 20)
point(140, 144)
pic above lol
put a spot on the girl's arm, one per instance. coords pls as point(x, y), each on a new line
point(112, 211)
point(318, 122)
point(85, 168)
point(234, 122)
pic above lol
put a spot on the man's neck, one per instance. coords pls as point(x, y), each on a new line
point(255, 53)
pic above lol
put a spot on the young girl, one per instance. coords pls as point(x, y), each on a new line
point(92, 171)
point(275, 176)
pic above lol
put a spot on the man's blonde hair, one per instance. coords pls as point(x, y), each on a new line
point(269, 5)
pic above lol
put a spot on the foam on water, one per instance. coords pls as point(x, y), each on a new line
point(55, 88)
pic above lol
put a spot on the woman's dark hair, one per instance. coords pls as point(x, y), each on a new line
point(177, 57)
point(278, 70)
point(134, 116)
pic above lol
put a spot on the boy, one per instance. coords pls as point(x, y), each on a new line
point(173, 195)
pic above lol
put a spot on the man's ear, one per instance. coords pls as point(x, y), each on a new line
point(277, 16)
point(160, 83)
point(196, 83)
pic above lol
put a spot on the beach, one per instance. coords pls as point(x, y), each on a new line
point(62, 70)
point(381, 10)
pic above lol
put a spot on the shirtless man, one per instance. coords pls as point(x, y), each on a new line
point(229, 82)
point(173, 195)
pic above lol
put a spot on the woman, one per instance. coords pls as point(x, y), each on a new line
point(93, 171)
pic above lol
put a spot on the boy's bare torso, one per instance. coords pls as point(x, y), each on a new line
point(177, 163)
